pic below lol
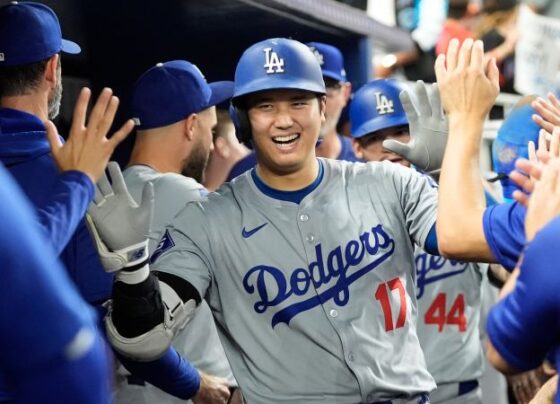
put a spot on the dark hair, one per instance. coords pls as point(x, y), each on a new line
point(19, 80)
point(457, 9)
point(490, 6)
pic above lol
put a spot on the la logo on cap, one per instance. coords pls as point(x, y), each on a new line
point(273, 63)
point(318, 56)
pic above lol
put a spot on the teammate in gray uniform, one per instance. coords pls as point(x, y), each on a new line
point(306, 263)
point(173, 107)
point(332, 144)
point(448, 291)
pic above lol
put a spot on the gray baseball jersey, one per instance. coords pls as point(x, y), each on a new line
point(449, 299)
point(317, 299)
point(200, 343)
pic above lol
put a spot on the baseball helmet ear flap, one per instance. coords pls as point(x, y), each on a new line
point(240, 119)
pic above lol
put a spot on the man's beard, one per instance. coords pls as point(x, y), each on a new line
point(55, 98)
point(196, 164)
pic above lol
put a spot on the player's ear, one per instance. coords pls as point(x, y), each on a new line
point(358, 151)
point(50, 74)
point(347, 91)
point(190, 126)
point(221, 147)
point(322, 107)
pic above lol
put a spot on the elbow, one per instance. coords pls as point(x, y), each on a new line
point(450, 241)
point(498, 362)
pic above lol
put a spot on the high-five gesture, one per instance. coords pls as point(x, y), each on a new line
point(467, 84)
point(87, 149)
point(548, 112)
point(428, 128)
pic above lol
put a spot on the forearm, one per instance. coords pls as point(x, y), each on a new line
point(170, 373)
point(66, 208)
point(461, 195)
point(498, 362)
point(145, 316)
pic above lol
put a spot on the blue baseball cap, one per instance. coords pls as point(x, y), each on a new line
point(330, 59)
point(511, 143)
point(30, 32)
point(169, 92)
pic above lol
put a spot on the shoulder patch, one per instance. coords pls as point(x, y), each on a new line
point(165, 244)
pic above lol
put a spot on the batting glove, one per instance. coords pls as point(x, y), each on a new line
point(428, 129)
point(120, 227)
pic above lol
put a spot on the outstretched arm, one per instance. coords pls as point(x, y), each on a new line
point(82, 160)
point(468, 90)
point(148, 309)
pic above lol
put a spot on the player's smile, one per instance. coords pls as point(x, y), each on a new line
point(286, 143)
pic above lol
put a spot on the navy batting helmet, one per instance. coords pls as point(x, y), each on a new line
point(376, 106)
point(511, 143)
point(273, 64)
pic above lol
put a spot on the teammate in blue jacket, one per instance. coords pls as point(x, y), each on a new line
point(30, 94)
point(523, 326)
point(51, 349)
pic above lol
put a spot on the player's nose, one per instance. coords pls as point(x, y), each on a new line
point(283, 118)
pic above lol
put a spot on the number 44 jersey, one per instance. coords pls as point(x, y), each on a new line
point(449, 299)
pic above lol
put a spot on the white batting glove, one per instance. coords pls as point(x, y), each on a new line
point(120, 227)
point(429, 128)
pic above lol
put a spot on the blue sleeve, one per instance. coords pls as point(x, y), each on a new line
point(504, 229)
point(46, 326)
point(524, 326)
point(431, 244)
point(85, 380)
point(170, 373)
point(61, 215)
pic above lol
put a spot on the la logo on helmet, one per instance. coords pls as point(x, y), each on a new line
point(384, 105)
point(274, 64)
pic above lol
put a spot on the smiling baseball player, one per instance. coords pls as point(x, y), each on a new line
point(306, 263)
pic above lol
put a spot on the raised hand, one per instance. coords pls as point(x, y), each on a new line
point(87, 149)
point(531, 169)
point(544, 202)
point(548, 112)
point(121, 226)
point(428, 128)
point(468, 86)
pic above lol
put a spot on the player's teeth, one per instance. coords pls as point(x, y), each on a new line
point(284, 139)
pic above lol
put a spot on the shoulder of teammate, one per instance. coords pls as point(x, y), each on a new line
point(172, 185)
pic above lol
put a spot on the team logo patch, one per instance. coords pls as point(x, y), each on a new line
point(507, 154)
point(165, 244)
point(431, 268)
point(318, 56)
point(383, 104)
point(338, 268)
point(273, 63)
